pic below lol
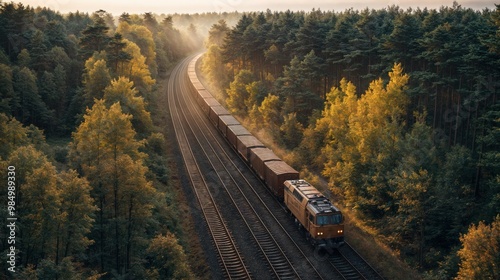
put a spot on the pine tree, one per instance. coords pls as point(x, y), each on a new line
point(115, 52)
point(150, 22)
point(293, 87)
point(291, 131)
point(413, 190)
point(38, 52)
point(32, 108)
point(94, 38)
point(61, 92)
point(233, 50)
point(9, 101)
point(217, 33)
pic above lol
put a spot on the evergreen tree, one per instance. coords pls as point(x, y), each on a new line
point(413, 189)
point(233, 49)
point(16, 20)
point(115, 52)
point(9, 101)
point(94, 38)
point(32, 108)
point(217, 33)
point(38, 52)
point(150, 22)
point(291, 131)
point(488, 164)
point(311, 35)
point(292, 87)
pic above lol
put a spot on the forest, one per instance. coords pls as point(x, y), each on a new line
point(81, 132)
point(396, 108)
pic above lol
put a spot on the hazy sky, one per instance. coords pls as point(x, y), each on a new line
point(116, 7)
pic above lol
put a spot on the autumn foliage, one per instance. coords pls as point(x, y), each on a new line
point(396, 109)
point(92, 202)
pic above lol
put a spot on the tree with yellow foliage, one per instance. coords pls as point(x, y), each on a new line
point(122, 90)
point(238, 92)
point(332, 132)
point(56, 213)
point(480, 253)
point(96, 78)
point(168, 258)
point(143, 38)
point(104, 148)
point(269, 109)
point(361, 137)
point(136, 69)
point(77, 208)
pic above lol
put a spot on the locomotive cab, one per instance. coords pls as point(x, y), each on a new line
point(322, 221)
point(326, 223)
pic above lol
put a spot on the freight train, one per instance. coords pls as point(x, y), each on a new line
point(321, 221)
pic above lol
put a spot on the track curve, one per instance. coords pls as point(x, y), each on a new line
point(230, 257)
point(286, 257)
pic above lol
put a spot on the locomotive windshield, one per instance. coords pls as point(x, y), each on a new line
point(332, 219)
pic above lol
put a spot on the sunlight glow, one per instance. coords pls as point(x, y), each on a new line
point(117, 7)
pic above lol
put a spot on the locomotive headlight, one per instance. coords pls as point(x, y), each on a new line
point(340, 231)
point(320, 233)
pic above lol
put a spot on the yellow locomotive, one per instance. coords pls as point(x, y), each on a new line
point(323, 222)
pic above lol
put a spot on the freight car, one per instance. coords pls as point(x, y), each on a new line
point(234, 131)
point(258, 158)
point(322, 222)
point(277, 172)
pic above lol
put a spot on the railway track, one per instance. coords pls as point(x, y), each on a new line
point(285, 256)
point(230, 257)
point(353, 260)
point(279, 265)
